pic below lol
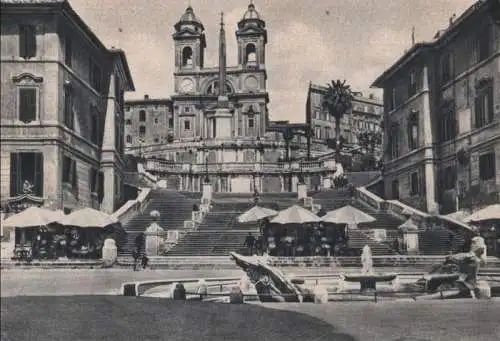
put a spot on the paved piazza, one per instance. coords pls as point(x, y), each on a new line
point(463, 320)
point(34, 282)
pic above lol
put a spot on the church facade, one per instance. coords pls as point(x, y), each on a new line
point(220, 119)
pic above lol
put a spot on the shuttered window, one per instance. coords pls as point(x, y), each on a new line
point(27, 104)
point(27, 41)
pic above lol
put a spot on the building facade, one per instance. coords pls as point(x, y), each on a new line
point(220, 118)
point(148, 122)
point(365, 117)
point(61, 110)
point(442, 115)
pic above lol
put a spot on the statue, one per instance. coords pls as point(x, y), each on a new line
point(459, 271)
point(27, 187)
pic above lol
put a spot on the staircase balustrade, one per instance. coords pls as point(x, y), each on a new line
point(133, 207)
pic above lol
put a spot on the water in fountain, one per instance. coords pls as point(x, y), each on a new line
point(367, 260)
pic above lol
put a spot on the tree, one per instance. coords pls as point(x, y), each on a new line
point(338, 102)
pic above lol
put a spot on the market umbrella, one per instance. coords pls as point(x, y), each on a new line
point(491, 212)
point(256, 213)
point(347, 215)
point(88, 217)
point(33, 216)
point(295, 215)
point(460, 216)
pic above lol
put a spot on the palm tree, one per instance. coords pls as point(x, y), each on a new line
point(338, 102)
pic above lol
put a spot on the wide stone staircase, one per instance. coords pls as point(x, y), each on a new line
point(220, 232)
point(174, 209)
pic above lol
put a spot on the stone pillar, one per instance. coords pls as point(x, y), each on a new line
point(282, 183)
point(327, 182)
point(295, 181)
point(207, 191)
point(410, 240)
point(108, 201)
point(427, 129)
point(301, 191)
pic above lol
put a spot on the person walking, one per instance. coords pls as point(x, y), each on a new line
point(138, 247)
point(250, 242)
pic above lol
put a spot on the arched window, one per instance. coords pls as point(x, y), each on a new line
point(187, 56)
point(213, 89)
point(142, 116)
point(413, 131)
point(250, 54)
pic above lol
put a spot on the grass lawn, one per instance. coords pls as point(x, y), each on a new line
point(107, 318)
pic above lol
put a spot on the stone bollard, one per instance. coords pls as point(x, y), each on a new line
point(320, 295)
point(483, 290)
point(236, 296)
point(202, 288)
point(109, 253)
point(178, 292)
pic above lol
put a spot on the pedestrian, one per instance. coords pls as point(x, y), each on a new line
point(250, 242)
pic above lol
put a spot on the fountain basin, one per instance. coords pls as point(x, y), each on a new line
point(369, 281)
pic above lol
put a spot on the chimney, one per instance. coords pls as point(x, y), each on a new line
point(146, 96)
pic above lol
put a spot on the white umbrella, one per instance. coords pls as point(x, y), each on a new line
point(295, 215)
point(347, 215)
point(408, 225)
point(491, 212)
point(88, 217)
point(256, 213)
point(33, 216)
point(460, 216)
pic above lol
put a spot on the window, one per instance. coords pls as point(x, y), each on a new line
point(483, 106)
point(395, 189)
point(93, 180)
point(171, 122)
point(68, 108)
point(413, 135)
point(187, 56)
point(128, 122)
point(157, 140)
point(250, 123)
point(95, 132)
point(446, 67)
point(187, 125)
point(26, 174)
point(187, 109)
point(484, 44)
point(95, 75)
point(129, 139)
point(142, 116)
point(449, 177)
point(414, 184)
point(447, 123)
point(142, 131)
point(394, 142)
point(69, 174)
point(487, 167)
point(68, 51)
point(156, 121)
point(393, 99)
point(27, 104)
point(250, 55)
point(412, 84)
point(27, 41)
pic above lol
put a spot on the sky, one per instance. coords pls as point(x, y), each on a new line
point(308, 40)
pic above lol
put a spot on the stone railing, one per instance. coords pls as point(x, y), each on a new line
point(132, 207)
point(161, 166)
point(370, 199)
point(143, 172)
point(401, 210)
